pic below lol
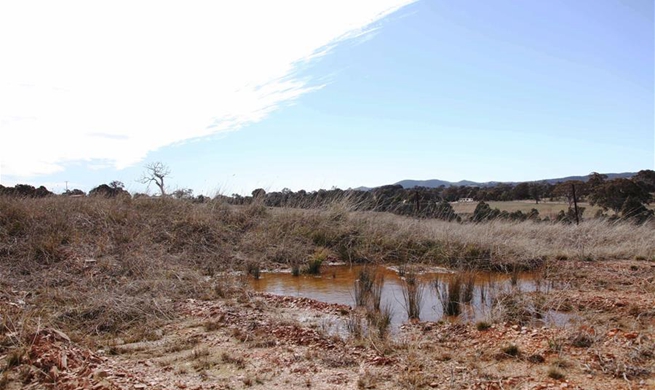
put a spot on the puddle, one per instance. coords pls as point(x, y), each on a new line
point(336, 285)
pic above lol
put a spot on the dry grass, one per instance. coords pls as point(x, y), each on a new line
point(97, 266)
point(516, 241)
point(103, 270)
point(545, 208)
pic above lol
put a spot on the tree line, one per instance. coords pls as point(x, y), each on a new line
point(626, 198)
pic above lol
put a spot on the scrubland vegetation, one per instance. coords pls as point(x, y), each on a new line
point(102, 269)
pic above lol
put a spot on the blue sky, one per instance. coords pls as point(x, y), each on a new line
point(307, 99)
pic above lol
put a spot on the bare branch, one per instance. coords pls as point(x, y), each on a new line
point(156, 172)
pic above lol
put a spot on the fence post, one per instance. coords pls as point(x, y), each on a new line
point(575, 204)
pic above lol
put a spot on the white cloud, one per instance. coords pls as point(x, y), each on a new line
point(111, 81)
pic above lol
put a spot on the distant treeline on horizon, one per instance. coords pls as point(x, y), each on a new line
point(624, 196)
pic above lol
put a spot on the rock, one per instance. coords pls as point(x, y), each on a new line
point(631, 336)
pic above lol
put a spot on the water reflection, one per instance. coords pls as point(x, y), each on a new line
point(336, 285)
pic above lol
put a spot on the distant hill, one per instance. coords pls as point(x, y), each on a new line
point(434, 183)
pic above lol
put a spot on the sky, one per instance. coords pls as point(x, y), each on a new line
point(234, 96)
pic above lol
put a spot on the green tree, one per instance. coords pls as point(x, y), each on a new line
point(445, 211)
point(109, 191)
point(646, 179)
point(596, 179)
point(613, 194)
point(633, 209)
point(565, 190)
point(536, 191)
point(117, 185)
point(183, 193)
point(521, 191)
point(484, 212)
point(259, 193)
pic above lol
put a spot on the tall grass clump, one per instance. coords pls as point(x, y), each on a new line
point(295, 269)
point(380, 320)
point(449, 293)
point(316, 261)
point(412, 289)
point(314, 267)
point(376, 292)
point(468, 279)
point(355, 326)
point(368, 288)
point(456, 290)
point(363, 286)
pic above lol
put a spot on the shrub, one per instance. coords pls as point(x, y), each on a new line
point(314, 267)
point(555, 373)
point(536, 359)
point(582, 340)
point(315, 262)
point(511, 350)
point(482, 326)
point(253, 268)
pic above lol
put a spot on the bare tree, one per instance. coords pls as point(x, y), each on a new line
point(156, 172)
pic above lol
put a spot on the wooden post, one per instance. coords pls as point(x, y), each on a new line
point(575, 204)
point(418, 204)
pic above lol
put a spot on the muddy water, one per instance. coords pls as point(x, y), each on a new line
point(336, 285)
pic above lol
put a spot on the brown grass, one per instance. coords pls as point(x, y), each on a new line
point(97, 266)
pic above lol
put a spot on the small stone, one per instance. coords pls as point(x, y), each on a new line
point(631, 336)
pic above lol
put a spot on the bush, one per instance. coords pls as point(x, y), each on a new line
point(484, 212)
point(511, 350)
point(482, 326)
point(555, 373)
point(314, 267)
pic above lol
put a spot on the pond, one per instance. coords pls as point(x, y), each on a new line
point(336, 284)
